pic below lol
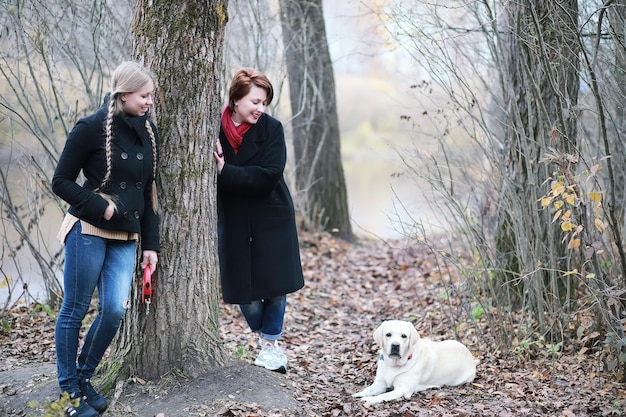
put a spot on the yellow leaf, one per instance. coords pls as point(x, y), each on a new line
point(599, 225)
point(4, 283)
point(567, 215)
point(572, 272)
point(573, 244)
point(557, 188)
point(556, 215)
point(558, 204)
point(595, 196)
point(570, 198)
point(567, 226)
point(545, 201)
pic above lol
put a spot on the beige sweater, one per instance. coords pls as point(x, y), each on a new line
point(87, 229)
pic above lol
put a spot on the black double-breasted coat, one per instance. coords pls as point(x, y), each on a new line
point(258, 246)
point(131, 175)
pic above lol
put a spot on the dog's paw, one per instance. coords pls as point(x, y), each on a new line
point(359, 394)
point(371, 400)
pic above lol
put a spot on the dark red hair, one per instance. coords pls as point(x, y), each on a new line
point(240, 86)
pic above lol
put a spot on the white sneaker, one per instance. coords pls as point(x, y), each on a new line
point(271, 357)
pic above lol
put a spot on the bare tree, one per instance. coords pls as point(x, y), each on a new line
point(180, 331)
point(55, 58)
point(253, 36)
point(616, 91)
point(319, 172)
point(525, 109)
point(541, 56)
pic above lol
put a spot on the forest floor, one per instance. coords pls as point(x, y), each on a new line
point(350, 289)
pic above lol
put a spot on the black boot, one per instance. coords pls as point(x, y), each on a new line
point(82, 409)
point(93, 398)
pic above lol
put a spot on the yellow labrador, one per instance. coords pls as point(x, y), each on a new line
point(408, 364)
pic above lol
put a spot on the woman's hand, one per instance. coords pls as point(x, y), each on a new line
point(111, 207)
point(108, 213)
point(151, 258)
point(219, 157)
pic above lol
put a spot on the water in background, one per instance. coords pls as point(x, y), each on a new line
point(378, 202)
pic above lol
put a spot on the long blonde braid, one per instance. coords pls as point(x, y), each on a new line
point(108, 128)
point(107, 142)
point(155, 201)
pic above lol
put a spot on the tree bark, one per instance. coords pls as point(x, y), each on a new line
point(617, 17)
point(182, 43)
point(541, 94)
point(319, 173)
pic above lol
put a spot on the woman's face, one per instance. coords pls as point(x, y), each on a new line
point(138, 102)
point(251, 106)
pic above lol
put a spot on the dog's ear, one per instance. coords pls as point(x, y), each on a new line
point(378, 334)
point(414, 335)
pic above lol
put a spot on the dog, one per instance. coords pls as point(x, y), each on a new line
point(408, 364)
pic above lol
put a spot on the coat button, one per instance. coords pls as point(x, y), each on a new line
point(125, 214)
point(124, 155)
point(136, 214)
point(140, 156)
point(139, 185)
point(123, 185)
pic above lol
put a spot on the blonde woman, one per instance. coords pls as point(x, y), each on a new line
point(112, 211)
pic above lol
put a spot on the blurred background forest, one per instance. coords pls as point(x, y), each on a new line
point(372, 93)
point(498, 125)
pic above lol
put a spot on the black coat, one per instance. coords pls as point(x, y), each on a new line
point(257, 236)
point(131, 175)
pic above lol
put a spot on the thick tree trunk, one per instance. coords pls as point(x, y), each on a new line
point(541, 94)
point(319, 173)
point(182, 43)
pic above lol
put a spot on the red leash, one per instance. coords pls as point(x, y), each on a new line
point(146, 295)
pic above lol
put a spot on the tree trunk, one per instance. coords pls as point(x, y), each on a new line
point(319, 173)
point(182, 43)
point(617, 16)
point(540, 91)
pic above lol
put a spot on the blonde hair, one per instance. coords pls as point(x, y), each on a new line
point(128, 77)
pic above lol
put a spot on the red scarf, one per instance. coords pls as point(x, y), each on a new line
point(233, 133)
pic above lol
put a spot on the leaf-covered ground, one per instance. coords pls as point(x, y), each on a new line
point(350, 289)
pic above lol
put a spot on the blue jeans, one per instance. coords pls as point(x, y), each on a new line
point(91, 262)
point(266, 316)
